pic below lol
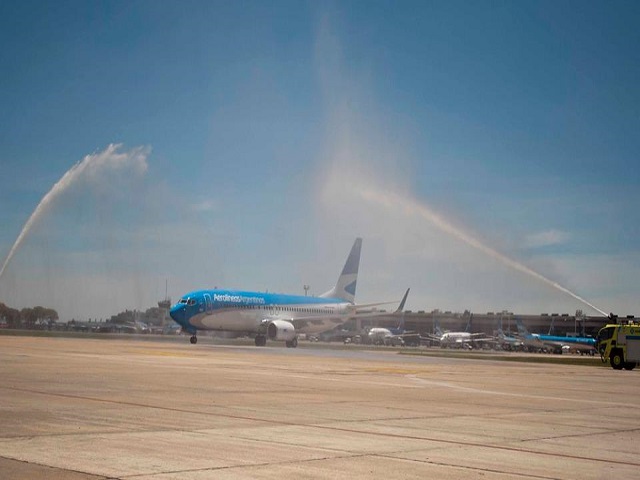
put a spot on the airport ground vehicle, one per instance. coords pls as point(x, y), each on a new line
point(620, 344)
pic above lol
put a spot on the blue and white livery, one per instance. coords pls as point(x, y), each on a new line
point(553, 342)
point(272, 316)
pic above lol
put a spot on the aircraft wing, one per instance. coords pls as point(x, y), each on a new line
point(368, 305)
point(413, 338)
point(432, 338)
point(326, 321)
point(482, 337)
point(360, 306)
point(330, 320)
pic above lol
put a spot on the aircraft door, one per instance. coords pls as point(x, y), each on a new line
point(208, 302)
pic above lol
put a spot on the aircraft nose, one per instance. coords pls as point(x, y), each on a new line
point(177, 313)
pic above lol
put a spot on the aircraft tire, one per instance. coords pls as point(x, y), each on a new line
point(616, 360)
point(260, 341)
point(193, 339)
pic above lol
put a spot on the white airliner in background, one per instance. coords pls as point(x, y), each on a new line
point(389, 336)
point(273, 316)
point(464, 339)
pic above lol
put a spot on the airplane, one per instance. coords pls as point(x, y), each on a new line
point(553, 342)
point(278, 317)
point(508, 342)
point(397, 335)
point(464, 339)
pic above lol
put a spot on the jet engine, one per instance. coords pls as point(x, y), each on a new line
point(281, 330)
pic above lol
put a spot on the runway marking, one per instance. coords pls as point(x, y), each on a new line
point(452, 386)
point(475, 469)
point(395, 370)
point(335, 429)
point(251, 465)
point(423, 383)
point(164, 353)
point(340, 457)
point(51, 469)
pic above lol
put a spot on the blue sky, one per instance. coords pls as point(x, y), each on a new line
point(267, 123)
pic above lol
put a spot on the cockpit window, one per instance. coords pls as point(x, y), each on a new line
point(183, 300)
point(191, 301)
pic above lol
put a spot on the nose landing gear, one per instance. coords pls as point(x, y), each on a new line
point(193, 339)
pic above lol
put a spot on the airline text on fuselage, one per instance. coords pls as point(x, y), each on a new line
point(226, 298)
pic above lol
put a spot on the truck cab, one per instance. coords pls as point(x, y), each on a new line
point(619, 344)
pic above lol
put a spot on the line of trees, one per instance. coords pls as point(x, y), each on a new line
point(27, 317)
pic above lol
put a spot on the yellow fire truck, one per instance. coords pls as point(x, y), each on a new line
point(619, 343)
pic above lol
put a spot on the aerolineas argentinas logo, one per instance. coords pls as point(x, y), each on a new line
point(226, 298)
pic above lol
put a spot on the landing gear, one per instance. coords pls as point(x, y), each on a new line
point(193, 339)
point(292, 343)
point(261, 340)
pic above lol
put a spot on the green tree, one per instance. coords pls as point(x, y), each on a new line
point(37, 316)
point(11, 315)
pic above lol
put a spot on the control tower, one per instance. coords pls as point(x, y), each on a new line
point(165, 306)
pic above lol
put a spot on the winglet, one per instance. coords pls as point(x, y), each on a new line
point(403, 301)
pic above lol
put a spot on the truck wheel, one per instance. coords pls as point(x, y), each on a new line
point(629, 365)
point(616, 360)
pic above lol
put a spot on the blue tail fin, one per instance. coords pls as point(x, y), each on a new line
point(521, 328)
point(436, 328)
point(345, 287)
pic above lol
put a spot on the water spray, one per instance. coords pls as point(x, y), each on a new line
point(89, 167)
point(395, 201)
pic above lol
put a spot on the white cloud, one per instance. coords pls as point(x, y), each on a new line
point(547, 238)
point(205, 206)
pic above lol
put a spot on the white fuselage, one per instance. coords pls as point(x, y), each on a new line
point(455, 337)
point(379, 333)
point(308, 319)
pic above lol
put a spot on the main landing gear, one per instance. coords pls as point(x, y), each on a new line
point(261, 341)
point(193, 339)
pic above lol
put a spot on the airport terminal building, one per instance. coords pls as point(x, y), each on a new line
point(423, 322)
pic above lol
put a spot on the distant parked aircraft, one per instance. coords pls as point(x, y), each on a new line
point(554, 342)
point(464, 339)
point(397, 335)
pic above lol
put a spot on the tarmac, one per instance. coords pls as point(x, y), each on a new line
point(84, 409)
